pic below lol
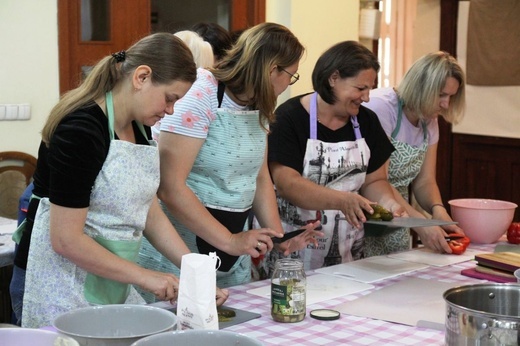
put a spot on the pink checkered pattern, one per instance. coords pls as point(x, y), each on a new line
point(348, 330)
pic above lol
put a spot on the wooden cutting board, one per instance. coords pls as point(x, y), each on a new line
point(508, 261)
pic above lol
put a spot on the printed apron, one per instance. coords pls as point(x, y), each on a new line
point(236, 139)
point(119, 203)
point(405, 164)
point(340, 166)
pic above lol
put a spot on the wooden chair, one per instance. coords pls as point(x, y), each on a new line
point(16, 172)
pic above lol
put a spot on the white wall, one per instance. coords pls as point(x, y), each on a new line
point(28, 68)
point(427, 26)
point(318, 25)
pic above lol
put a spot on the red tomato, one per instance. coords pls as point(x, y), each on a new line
point(513, 233)
point(458, 246)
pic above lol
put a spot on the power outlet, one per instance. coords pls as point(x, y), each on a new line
point(24, 111)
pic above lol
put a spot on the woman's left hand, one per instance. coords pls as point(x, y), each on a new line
point(433, 238)
point(302, 240)
point(222, 296)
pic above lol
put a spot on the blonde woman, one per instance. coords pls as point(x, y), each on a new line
point(433, 87)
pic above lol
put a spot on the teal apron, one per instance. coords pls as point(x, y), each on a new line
point(234, 149)
point(405, 164)
point(119, 203)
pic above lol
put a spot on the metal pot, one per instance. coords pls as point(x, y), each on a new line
point(483, 314)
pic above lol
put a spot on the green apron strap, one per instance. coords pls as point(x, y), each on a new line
point(110, 111)
point(17, 235)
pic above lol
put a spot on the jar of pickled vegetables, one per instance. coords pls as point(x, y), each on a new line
point(288, 286)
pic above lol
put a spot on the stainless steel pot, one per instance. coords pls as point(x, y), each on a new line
point(483, 314)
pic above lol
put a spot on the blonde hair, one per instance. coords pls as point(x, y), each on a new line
point(245, 69)
point(423, 83)
point(201, 50)
point(167, 56)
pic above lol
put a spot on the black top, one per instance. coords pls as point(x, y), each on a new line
point(289, 134)
point(67, 169)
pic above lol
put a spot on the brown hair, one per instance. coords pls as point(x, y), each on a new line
point(246, 67)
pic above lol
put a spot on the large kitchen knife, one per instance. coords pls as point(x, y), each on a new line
point(410, 222)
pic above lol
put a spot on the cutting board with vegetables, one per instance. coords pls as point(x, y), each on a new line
point(227, 316)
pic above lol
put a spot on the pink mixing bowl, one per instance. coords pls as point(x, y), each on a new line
point(483, 220)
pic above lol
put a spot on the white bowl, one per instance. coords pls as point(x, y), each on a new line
point(118, 324)
point(483, 220)
point(198, 337)
point(34, 337)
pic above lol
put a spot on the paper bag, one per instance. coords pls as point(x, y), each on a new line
point(196, 304)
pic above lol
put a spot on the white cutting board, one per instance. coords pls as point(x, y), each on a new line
point(372, 269)
point(321, 288)
point(412, 301)
point(427, 256)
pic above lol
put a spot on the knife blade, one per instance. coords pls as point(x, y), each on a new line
point(410, 222)
point(287, 236)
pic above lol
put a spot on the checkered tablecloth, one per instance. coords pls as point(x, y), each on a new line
point(348, 330)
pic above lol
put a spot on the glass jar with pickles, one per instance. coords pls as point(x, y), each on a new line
point(288, 291)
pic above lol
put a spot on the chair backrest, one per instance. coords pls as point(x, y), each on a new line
point(16, 172)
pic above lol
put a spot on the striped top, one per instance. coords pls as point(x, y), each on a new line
point(224, 173)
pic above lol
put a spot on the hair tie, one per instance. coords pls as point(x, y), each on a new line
point(119, 56)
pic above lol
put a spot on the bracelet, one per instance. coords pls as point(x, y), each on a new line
point(436, 205)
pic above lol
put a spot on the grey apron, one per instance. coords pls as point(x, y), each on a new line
point(119, 203)
point(405, 164)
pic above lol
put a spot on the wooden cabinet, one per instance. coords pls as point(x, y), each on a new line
point(486, 167)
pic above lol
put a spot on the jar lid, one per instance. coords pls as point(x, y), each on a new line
point(325, 314)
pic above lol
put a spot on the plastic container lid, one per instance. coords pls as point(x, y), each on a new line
point(325, 314)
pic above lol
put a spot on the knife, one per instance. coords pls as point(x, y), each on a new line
point(448, 238)
point(287, 236)
point(410, 222)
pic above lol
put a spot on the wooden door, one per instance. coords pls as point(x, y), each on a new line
point(127, 21)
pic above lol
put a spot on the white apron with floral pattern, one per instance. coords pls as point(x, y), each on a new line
point(119, 203)
point(339, 166)
point(405, 164)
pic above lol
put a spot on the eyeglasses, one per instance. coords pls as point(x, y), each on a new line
point(294, 77)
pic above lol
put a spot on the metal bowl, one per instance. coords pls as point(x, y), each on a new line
point(114, 325)
point(198, 337)
point(34, 337)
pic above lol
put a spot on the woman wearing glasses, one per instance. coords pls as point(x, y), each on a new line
point(213, 155)
point(327, 157)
